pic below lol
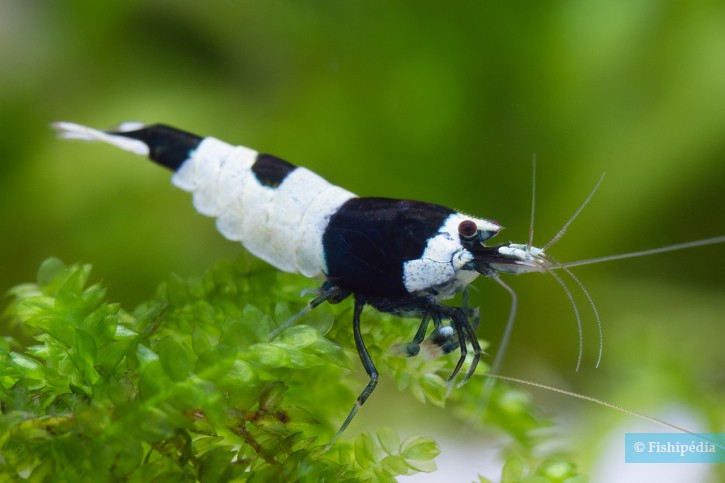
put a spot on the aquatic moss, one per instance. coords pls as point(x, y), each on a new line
point(187, 387)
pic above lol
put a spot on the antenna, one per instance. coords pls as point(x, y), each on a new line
point(641, 253)
point(533, 203)
point(566, 225)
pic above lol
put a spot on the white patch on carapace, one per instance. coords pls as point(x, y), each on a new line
point(442, 260)
point(462, 280)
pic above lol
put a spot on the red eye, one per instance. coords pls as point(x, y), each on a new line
point(467, 229)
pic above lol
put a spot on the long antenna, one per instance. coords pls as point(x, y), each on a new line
point(591, 303)
point(641, 253)
point(594, 309)
point(600, 402)
point(533, 203)
point(566, 225)
point(576, 313)
point(488, 386)
point(498, 360)
point(590, 399)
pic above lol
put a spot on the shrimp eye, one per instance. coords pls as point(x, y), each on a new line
point(467, 229)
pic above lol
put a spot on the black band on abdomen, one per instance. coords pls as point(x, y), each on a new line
point(168, 146)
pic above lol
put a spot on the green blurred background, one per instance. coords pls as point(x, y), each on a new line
point(410, 100)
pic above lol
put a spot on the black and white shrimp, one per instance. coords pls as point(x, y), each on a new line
point(398, 256)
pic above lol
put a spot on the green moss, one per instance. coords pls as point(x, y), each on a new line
point(187, 386)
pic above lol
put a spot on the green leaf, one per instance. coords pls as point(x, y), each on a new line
point(425, 466)
point(153, 381)
point(83, 355)
point(515, 469)
point(203, 444)
point(215, 466)
point(389, 440)
point(577, 479)
point(321, 319)
point(68, 298)
point(257, 322)
point(123, 333)
point(29, 367)
point(435, 388)
point(85, 346)
point(420, 448)
point(112, 354)
point(557, 470)
point(268, 355)
point(239, 377)
point(145, 355)
point(50, 273)
point(55, 326)
point(216, 362)
point(149, 424)
point(395, 465)
point(102, 321)
point(175, 359)
point(272, 396)
point(365, 450)
point(299, 336)
point(419, 453)
point(200, 341)
point(128, 456)
point(382, 476)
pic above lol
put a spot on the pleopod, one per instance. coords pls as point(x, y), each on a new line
point(398, 256)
